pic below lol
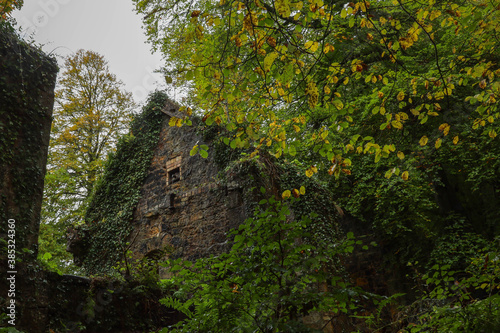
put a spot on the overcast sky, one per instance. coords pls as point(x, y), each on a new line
point(109, 27)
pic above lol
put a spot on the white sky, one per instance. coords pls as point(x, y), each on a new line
point(108, 27)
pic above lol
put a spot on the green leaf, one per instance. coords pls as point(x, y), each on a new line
point(351, 22)
point(194, 151)
point(268, 60)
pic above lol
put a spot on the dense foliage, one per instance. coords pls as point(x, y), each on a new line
point(273, 276)
point(392, 104)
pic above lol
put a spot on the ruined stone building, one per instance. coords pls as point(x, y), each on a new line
point(184, 211)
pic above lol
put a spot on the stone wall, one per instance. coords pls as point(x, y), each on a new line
point(27, 81)
point(184, 211)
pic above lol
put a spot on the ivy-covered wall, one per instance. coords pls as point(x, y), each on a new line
point(100, 242)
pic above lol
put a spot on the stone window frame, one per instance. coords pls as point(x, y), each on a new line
point(174, 168)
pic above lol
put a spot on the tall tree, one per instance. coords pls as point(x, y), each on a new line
point(92, 111)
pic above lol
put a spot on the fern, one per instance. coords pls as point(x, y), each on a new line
point(176, 305)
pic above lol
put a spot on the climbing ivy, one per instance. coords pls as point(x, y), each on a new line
point(117, 192)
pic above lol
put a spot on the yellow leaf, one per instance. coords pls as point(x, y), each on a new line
point(445, 128)
point(302, 190)
point(309, 173)
point(286, 194)
point(174, 121)
point(283, 7)
point(401, 155)
point(438, 143)
point(492, 134)
point(423, 140)
point(296, 128)
point(401, 96)
point(328, 48)
point(405, 175)
point(455, 140)
point(397, 124)
point(310, 45)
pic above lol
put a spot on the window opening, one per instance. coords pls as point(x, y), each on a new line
point(174, 175)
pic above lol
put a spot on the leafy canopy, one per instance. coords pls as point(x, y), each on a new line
point(291, 76)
